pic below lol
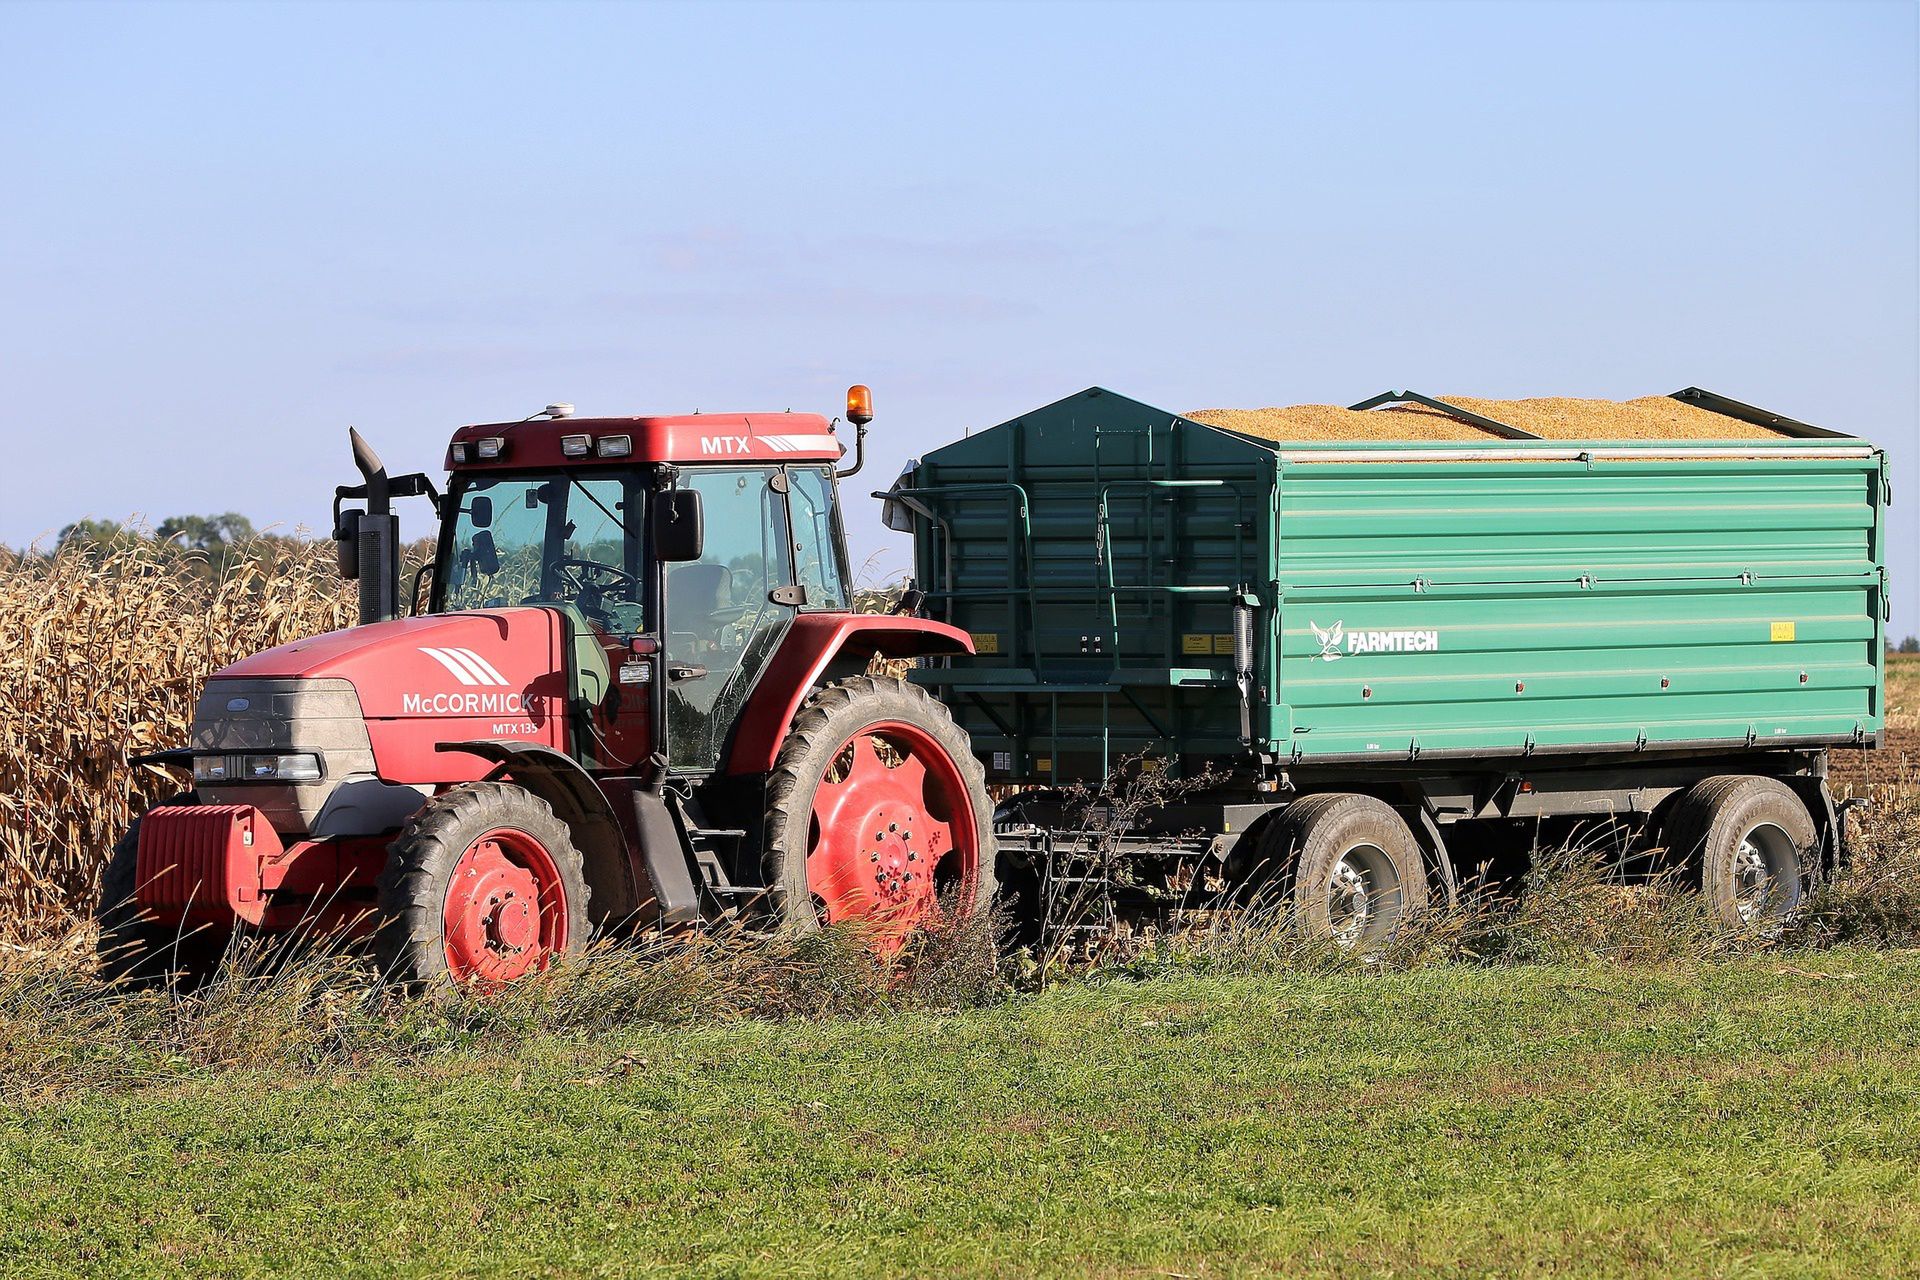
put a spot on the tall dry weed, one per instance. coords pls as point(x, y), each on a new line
point(63, 1030)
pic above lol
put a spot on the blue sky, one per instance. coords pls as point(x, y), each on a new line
point(230, 231)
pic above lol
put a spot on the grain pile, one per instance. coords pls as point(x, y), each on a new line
point(1552, 418)
point(105, 652)
point(1330, 422)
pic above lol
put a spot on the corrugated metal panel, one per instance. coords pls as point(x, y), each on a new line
point(1618, 605)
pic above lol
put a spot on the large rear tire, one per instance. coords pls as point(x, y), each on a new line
point(1747, 843)
point(1357, 874)
point(877, 812)
point(484, 885)
point(135, 949)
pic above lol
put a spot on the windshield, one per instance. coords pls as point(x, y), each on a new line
point(548, 538)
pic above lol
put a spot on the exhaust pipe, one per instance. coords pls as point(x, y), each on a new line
point(376, 538)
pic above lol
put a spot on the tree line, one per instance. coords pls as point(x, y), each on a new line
point(205, 544)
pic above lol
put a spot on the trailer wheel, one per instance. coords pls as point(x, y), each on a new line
point(877, 812)
point(134, 948)
point(1746, 842)
point(1358, 871)
point(484, 886)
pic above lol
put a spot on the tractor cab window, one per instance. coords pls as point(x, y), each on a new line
point(553, 539)
point(722, 622)
point(816, 540)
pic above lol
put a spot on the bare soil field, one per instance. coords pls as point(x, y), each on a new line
point(1870, 772)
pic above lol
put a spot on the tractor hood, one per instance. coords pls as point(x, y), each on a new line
point(501, 666)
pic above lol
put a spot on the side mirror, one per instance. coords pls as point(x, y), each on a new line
point(679, 527)
point(486, 557)
point(481, 509)
point(346, 544)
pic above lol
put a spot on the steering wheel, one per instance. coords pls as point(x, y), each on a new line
point(578, 576)
point(577, 573)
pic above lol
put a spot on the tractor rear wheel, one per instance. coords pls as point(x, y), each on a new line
point(484, 885)
point(134, 948)
point(877, 812)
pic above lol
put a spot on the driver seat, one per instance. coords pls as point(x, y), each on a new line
point(693, 596)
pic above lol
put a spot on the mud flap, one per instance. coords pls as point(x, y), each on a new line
point(663, 851)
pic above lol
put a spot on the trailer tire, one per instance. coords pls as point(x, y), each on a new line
point(820, 862)
point(1358, 871)
point(134, 949)
point(483, 885)
point(1747, 843)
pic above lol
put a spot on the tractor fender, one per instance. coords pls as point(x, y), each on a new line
point(810, 646)
point(577, 801)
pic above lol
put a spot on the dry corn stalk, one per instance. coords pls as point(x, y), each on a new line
point(104, 652)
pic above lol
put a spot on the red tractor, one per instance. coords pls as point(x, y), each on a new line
point(635, 695)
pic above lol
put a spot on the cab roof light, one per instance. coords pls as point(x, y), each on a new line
point(614, 446)
point(576, 446)
point(490, 447)
point(460, 451)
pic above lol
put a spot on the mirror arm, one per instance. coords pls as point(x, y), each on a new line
point(417, 484)
point(418, 574)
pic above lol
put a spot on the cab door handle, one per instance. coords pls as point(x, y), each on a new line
point(678, 671)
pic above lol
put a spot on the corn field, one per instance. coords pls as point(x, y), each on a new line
point(102, 653)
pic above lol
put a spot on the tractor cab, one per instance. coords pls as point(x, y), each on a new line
point(676, 552)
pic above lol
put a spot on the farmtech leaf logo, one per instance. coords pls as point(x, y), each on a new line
point(1332, 638)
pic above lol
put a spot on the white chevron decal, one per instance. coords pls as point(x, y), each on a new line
point(466, 666)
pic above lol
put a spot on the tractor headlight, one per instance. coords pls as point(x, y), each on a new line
point(490, 447)
point(614, 446)
point(576, 446)
point(260, 767)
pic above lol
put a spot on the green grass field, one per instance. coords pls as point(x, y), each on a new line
point(1749, 1118)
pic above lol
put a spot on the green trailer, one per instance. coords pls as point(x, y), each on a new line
point(1499, 631)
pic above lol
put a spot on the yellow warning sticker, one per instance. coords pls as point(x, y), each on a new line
point(1191, 643)
point(1223, 644)
point(985, 641)
point(1782, 631)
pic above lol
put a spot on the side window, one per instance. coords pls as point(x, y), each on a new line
point(816, 553)
point(715, 599)
point(721, 625)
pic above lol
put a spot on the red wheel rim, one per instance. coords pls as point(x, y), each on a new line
point(506, 913)
point(893, 828)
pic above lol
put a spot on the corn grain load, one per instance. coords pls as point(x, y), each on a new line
point(1552, 418)
point(1330, 422)
point(105, 652)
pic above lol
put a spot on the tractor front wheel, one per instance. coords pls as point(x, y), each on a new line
point(877, 813)
point(483, 886)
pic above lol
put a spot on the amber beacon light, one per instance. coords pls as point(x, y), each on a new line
point(859, 405)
